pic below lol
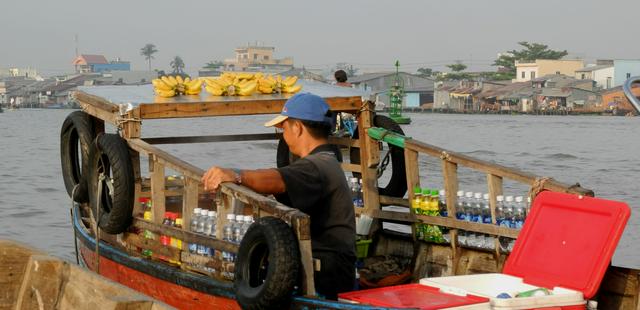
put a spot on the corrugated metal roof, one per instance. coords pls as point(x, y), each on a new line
point(86, 59)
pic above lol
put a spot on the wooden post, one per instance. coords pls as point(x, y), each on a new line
point(132, 127)
point(494, 184)
point(369, 157)
point(189, 201)
point(301, 229)
point(157, 189)
point(413, 179)
point(450, 174)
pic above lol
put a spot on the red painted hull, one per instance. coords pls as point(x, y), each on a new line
point(170, 293)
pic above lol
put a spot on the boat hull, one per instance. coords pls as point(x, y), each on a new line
point(180, 289)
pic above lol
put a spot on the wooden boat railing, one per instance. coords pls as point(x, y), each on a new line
point(128, 122)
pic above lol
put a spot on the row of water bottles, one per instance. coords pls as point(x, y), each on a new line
point(355, 185)
point(203, 222)
point(474, 207)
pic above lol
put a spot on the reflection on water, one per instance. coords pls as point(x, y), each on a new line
point(602, 153)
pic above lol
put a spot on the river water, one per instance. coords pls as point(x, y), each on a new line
point(602, 153)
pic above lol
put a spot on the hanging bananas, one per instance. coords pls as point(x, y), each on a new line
point(270, 84)
point(170, 86)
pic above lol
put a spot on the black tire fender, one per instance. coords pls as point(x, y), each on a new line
point(76, 137)
point(109, 155)
point(397, 185)
point(268, 266)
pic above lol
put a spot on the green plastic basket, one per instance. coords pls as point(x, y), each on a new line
point(362, 248)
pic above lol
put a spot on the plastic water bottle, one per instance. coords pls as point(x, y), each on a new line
point(519, 213)
point(227, 235)
point(193, 227)
point(508, 212)
point(476, 217)
point(469, 206)
point(461, 215)
point(508, 222)
point(202, 223)
point(499, 210)
point(237, 229)
point(360, 194)
point(210, 225)
point(442, 203)
point(486, 219)
point(353, 186)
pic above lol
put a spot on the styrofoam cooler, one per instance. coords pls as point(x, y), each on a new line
point(491, 285)
point(565, 246)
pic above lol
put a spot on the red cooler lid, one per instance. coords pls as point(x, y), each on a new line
point(568, 241)
point(414, 296)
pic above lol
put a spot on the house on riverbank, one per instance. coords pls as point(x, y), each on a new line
point(418, 90)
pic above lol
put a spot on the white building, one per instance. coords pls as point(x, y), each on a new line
point(602, 74)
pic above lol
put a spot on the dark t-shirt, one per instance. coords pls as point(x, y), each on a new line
point(317, 186)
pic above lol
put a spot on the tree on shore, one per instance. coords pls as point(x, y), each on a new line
point(529, 52)
point(425, 72)
point(177, 64)
point(147, 51)
point(456, 72)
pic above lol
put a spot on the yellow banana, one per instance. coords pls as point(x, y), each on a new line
point(168, 81)
point(166, 93)
point(248, 89)
point(245, 76)
point(173, 80)
point(265, 89)
point(192, 91)
point(194, 85)
point(159, 84)
point(179, 79)
point(187, 80)
point(290, 81)
point(292, 89)
point(216, 91)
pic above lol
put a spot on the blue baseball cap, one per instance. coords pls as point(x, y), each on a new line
point(303, 106)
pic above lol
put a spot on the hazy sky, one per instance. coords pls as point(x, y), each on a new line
point(368, 34)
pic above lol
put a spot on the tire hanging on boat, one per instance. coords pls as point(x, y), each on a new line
point(268, 265)
point(397, 185)
point(285, 158)
point(109, 156)
point(76, 137)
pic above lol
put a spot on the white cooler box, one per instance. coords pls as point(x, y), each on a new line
point(491, 285)
point(565, 246)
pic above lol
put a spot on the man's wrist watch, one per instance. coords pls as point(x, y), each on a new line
point(238, 176)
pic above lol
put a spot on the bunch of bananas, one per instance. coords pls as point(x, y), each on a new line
point(270, 84)
point(228, 84)
point(170, 86)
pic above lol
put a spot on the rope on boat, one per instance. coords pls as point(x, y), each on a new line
point(537, 186)
point(96, 221)
point(445, 156)
point(75, 239)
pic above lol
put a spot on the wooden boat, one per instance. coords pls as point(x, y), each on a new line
point(34, 280)
point(185, 280)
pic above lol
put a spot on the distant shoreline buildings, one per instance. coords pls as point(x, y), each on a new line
point(541, 86)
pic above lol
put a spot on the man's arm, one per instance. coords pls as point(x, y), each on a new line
point(264, 181)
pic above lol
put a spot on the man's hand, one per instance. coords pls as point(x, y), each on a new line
point(216, 175)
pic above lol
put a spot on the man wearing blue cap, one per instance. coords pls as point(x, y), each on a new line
point(314, 184)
